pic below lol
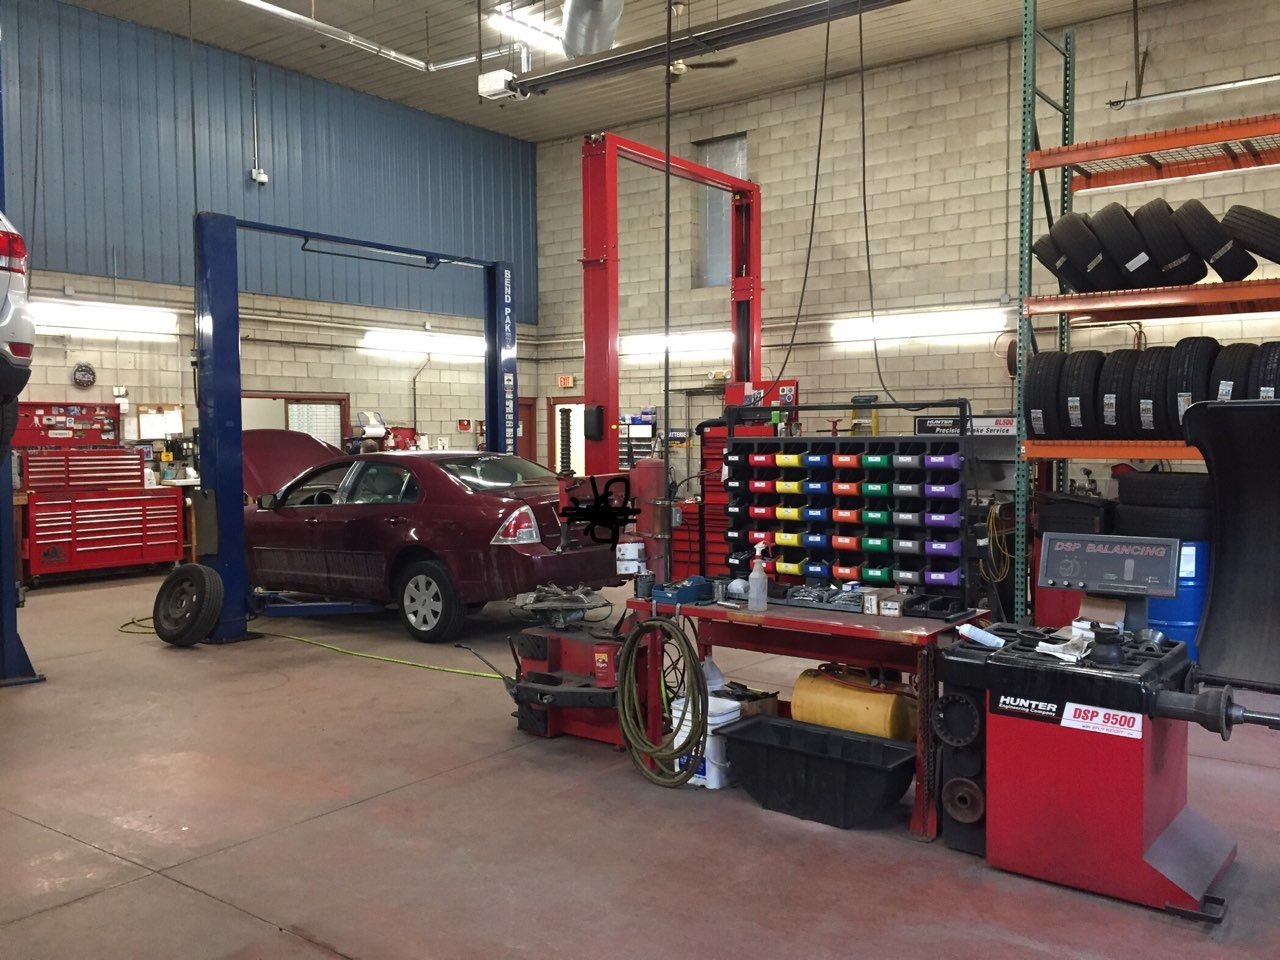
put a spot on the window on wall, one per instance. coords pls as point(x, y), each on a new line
point(728, 155)
point(322, 420)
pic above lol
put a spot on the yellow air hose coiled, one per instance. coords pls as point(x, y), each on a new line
point(848, 701)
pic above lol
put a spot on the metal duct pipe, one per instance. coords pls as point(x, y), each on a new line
point(590, 25)
point(767, 22)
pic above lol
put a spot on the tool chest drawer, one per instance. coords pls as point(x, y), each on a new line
point(74, 530)
point(81, 469)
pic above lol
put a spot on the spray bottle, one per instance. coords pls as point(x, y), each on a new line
point(758, 583)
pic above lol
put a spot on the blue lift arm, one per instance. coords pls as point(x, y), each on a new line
point(15, 666)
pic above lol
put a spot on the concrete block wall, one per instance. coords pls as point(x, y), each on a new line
point(942, 168)
point(286, 345)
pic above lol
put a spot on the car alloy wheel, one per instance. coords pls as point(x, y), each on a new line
point(422, 602)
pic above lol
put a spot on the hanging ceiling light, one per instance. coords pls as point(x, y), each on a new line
point(337, 33)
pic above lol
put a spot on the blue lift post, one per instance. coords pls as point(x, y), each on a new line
point(15, 666)
point(217, 347)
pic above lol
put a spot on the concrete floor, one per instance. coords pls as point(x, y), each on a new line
point(275, 800)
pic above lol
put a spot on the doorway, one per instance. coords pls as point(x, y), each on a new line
point(527, 429)
point(577, 445)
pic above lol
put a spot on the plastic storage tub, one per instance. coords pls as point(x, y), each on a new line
point(818, 773)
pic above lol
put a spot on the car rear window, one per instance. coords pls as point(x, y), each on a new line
point(493, 472)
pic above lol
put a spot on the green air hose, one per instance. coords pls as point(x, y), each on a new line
point(661, 762)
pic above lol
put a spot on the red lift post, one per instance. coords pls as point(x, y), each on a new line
point(600, 155)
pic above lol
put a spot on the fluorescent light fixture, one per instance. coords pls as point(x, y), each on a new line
point(461, 61)
point(337, 33)
point(102, 321)
point(413, 345)
point(979, 321)
point(528, 29)
point(696, 344)
point(1194, 91)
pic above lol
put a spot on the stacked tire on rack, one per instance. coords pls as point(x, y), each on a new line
point(1141, 394)
point(1155, 246)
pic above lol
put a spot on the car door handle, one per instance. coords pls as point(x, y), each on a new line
point(311, 520)
point(395, 521)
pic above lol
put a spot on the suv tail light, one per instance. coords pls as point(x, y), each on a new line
point(22, 351)
point(520, 527)
point(13, 253)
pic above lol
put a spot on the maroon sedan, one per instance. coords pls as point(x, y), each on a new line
point(434, 533)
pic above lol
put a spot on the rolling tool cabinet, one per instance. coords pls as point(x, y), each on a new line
point(89, 509)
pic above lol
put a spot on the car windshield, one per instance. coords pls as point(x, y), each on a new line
point(493, 472)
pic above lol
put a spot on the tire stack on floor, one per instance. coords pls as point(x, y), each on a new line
point(1177, 506)
point(1156, 246)
point(1174, 505)
point(1141, 394)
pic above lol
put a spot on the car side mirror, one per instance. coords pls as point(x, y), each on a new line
point(268, 501)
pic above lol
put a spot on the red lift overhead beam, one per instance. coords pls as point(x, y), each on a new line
point(600, 155)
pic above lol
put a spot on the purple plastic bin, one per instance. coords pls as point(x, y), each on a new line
point(942, 491)
point(951, 520)
point(942, 548)
point(942, 578)
point(943, 461)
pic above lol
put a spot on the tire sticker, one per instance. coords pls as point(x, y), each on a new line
point(1109, 409)
point(1184, 401)
point(1037, 421)
point(1073, 411)
point(1225, 389)
point(1137, 261)
point(1093, 263)
point(1116, 723)
point(1225, 248)
point(1059, 262)
point(1266, 393)
point(1147, 413)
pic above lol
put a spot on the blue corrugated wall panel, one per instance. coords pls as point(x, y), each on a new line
point(101, 178)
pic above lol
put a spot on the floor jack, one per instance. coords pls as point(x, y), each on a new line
point(1076, 771)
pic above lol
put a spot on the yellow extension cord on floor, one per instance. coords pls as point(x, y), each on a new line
point(141, 626)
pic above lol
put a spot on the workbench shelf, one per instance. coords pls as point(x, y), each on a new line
point(1247, 143)
point(1108, 450)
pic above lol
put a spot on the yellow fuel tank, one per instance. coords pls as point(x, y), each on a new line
point(819, 699)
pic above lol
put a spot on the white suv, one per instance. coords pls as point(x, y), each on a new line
point(17, 330)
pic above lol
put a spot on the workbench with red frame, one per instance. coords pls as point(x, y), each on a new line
point(906, 644)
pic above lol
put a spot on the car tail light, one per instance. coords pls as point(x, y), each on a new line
point(520, 527)
point(22, 350)
point(13, 253)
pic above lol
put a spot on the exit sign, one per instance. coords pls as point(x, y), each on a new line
point(565, 380)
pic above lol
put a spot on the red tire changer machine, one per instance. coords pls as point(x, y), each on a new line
point(1075, 771)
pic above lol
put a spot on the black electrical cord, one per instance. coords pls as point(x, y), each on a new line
point(813, 208)
point(673, 759)
point(866, 226)
point(667, 79)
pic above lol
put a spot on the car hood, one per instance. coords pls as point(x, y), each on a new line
point(274, 457)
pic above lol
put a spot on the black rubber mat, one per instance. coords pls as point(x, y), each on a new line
point(1239, 638)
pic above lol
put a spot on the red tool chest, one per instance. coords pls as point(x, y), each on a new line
point(72, 530)
point(88, 508)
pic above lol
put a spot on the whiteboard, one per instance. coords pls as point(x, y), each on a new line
point(159, 423)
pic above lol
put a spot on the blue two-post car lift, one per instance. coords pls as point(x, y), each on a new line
point(217, 342)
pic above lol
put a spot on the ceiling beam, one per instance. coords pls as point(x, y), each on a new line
point(713, 37)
